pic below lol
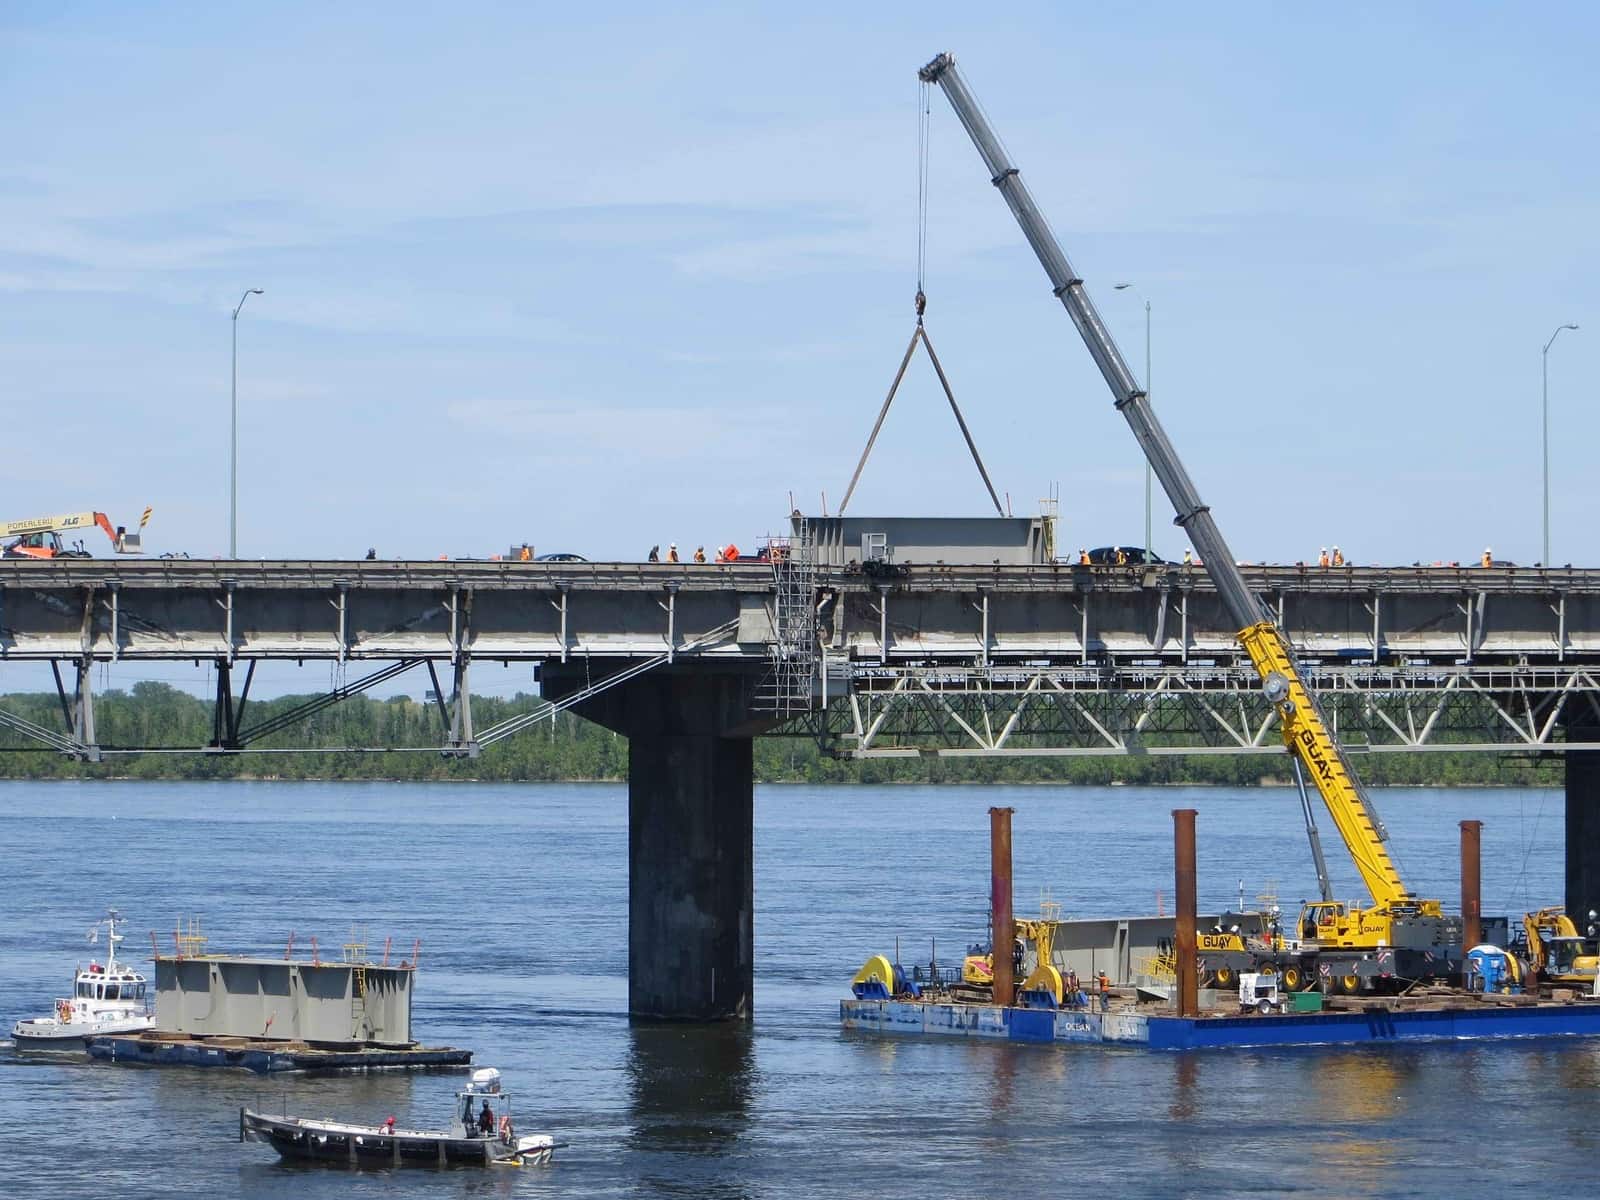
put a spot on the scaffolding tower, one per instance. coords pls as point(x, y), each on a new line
point(789, 686)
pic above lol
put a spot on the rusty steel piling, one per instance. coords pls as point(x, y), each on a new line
point(1188, 996)
point(1005, 931)
point(1471, 883)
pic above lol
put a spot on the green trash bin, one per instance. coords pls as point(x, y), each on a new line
point(1306, 1002)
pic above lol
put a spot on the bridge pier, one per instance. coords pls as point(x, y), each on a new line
point(691, 928)
point(1583, 822)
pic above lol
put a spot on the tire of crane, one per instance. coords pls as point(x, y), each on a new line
point(1350, 985)
point(1294, 979)
point(1225, 978)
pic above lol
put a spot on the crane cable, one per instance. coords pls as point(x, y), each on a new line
point(924, 112)
point(920, 334)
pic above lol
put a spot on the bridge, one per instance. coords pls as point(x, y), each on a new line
point(691, 661)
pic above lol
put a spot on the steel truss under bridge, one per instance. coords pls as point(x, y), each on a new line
point(231, 736)
point(894, 712)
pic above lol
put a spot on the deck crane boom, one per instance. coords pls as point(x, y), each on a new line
point(1396, 918)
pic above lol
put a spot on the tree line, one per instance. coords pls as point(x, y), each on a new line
point(154, 714)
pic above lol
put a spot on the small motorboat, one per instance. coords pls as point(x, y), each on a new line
point(481, 1133)
point(105, 999)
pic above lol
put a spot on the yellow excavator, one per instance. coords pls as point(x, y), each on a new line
point(40, 537)
point(977, 968)
point(1398, 937)
point(1556, 952)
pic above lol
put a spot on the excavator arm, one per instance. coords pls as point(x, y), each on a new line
point(1305, 731)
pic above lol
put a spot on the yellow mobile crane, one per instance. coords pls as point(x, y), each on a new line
point(1399, 936)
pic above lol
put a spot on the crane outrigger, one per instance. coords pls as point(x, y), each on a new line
point(1398, 937)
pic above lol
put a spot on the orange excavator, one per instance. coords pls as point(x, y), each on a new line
point(40, 537)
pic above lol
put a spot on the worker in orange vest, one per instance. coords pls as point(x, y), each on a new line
point(1488, 557)
point(699, 554)
point(672, 552)
point(1338, 557)
point(1322, 559)
point(1083, 557)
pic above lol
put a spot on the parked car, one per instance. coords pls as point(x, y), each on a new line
point(561, 557)
point(1106, 556)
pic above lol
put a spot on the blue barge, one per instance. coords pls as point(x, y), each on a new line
point(1375, 1022)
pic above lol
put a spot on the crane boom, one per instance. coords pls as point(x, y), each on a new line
point(1305, 732)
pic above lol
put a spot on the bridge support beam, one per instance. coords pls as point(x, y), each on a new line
point(79, 711)
point(1583, 822)
point(691, 910)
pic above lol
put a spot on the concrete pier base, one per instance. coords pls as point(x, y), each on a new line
point(1583, 825)
point(691, 945)
point(691, 885)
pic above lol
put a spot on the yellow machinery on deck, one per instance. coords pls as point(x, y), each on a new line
point(977, 970)
point(1557, 952)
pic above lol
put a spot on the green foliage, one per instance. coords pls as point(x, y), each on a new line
point(158, 715)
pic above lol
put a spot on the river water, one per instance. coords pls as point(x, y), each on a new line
point(518, 894)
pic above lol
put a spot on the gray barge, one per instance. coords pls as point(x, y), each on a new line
point(278, 1014)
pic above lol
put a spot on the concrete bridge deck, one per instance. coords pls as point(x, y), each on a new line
point(104, 609)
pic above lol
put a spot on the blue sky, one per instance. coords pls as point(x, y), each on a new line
point(606, 277)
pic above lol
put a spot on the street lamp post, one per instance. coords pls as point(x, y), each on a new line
point(1544, 406)
point(1123, 287)
point(233, 458)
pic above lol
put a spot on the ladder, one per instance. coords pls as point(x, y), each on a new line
point(789, 686)
point(358, 996)
point(355, 953)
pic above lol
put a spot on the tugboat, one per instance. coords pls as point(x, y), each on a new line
point(480, 1134)
point(105, 999)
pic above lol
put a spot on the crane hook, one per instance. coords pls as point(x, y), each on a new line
point(922, 304)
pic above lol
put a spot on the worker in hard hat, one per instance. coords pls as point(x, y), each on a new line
point(1083, 557)
point(672, 552)
point(1122, 557)
point(1488, 557)
point(1188, 557)
point(1338, 557)
point(1322, 559)
point(699, 554)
